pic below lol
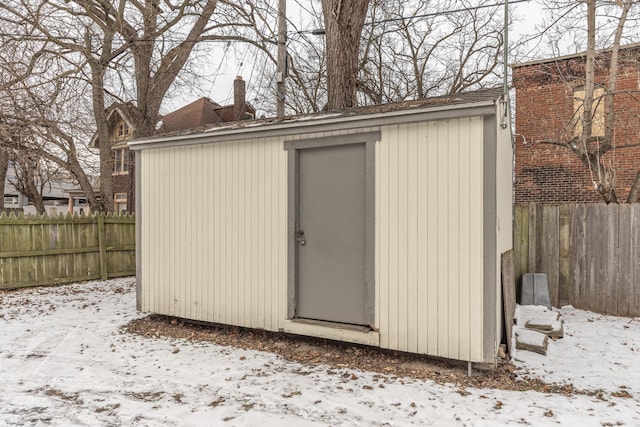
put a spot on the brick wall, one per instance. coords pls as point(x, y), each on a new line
point(544, 112)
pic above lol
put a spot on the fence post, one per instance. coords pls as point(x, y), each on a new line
point(104, 274)
point(564, 275)
point(533, 239)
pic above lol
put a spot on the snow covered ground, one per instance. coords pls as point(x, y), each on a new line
point(65, 361)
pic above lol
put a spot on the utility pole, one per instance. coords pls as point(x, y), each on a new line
point(281, 73)
point(505, 72)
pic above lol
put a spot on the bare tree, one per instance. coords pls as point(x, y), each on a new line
point(105, 39)
point(582, 135)
point(421, 49)
point(407, 50)
point(40, 136)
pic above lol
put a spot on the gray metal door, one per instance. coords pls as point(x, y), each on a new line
point(331, 234)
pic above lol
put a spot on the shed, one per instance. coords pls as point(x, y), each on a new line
point(381, 225)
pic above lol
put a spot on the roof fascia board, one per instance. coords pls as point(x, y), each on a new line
point(483, 108)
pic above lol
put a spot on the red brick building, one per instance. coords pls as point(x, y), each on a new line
point(548, 102)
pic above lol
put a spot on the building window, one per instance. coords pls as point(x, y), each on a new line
point(120, 161)
point(120, 203)
point(597, 124)
point(123, 129)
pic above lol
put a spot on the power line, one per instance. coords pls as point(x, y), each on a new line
point(319, 31)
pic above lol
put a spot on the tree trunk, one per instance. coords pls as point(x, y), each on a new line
point(634, 194)
point(343, 22)
point(4, 166)
point(104, 145)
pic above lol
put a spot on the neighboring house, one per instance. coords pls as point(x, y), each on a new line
point(199, 113)
point(549, 96)
point(381, 225)
point(54, 194)
point(120, 131)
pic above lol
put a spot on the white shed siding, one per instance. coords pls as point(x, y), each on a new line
point(429, 238)
point(217, 250)
point(214, 222)
point(214, 231)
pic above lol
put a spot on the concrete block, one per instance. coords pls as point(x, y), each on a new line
point(534, 290)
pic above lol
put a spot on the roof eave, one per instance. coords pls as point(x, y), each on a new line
point(324, 122)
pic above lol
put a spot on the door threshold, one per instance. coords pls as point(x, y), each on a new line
point(332, 330)
point(335, 325)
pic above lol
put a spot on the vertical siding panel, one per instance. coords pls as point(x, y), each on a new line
point(223, 248)
point(464, 247)
point(383, 192)
point(207, 219)
point(160, 297)
point(476, 243)
point(191, 281)
point(170, 290)
point(180, 274)
point(235, 243)
point(173, 285)
point(146, 220)
point(176, 241)
point(413, 188)
point(393, 236)
point(376, 238)
point(241, 266)
point(218, 233)
point(247, 267)
point(281, 282)
point(248, 262)
point(230, 224)
point(443, 243)
point(402, 236)
point(155, 291)
point(432, 239)
point(453, 183)
point(195, 300)
point(270, 190)
point(253, 258)
point(184, 239)
point(276, 236)
point(260, 236)
point(422, 224)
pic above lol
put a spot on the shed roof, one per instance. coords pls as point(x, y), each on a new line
point(453, 105)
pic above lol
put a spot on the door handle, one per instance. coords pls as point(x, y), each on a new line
point(300, 237)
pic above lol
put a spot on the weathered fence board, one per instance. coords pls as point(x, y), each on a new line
point(38, 250)
point(590, 253)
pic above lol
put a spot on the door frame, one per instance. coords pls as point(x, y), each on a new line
point(293, 148)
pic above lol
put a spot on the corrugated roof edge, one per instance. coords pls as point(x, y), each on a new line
point(464, 100)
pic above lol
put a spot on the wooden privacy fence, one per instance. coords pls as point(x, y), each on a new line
point(41, 250)
point(590, 253)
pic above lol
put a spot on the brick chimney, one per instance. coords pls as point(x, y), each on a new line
point(239, 103)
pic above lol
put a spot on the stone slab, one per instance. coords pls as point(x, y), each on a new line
point(527, 339)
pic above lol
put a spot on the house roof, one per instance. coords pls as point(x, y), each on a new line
point(456, 105)
point(198, 113)
point(628, 47)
